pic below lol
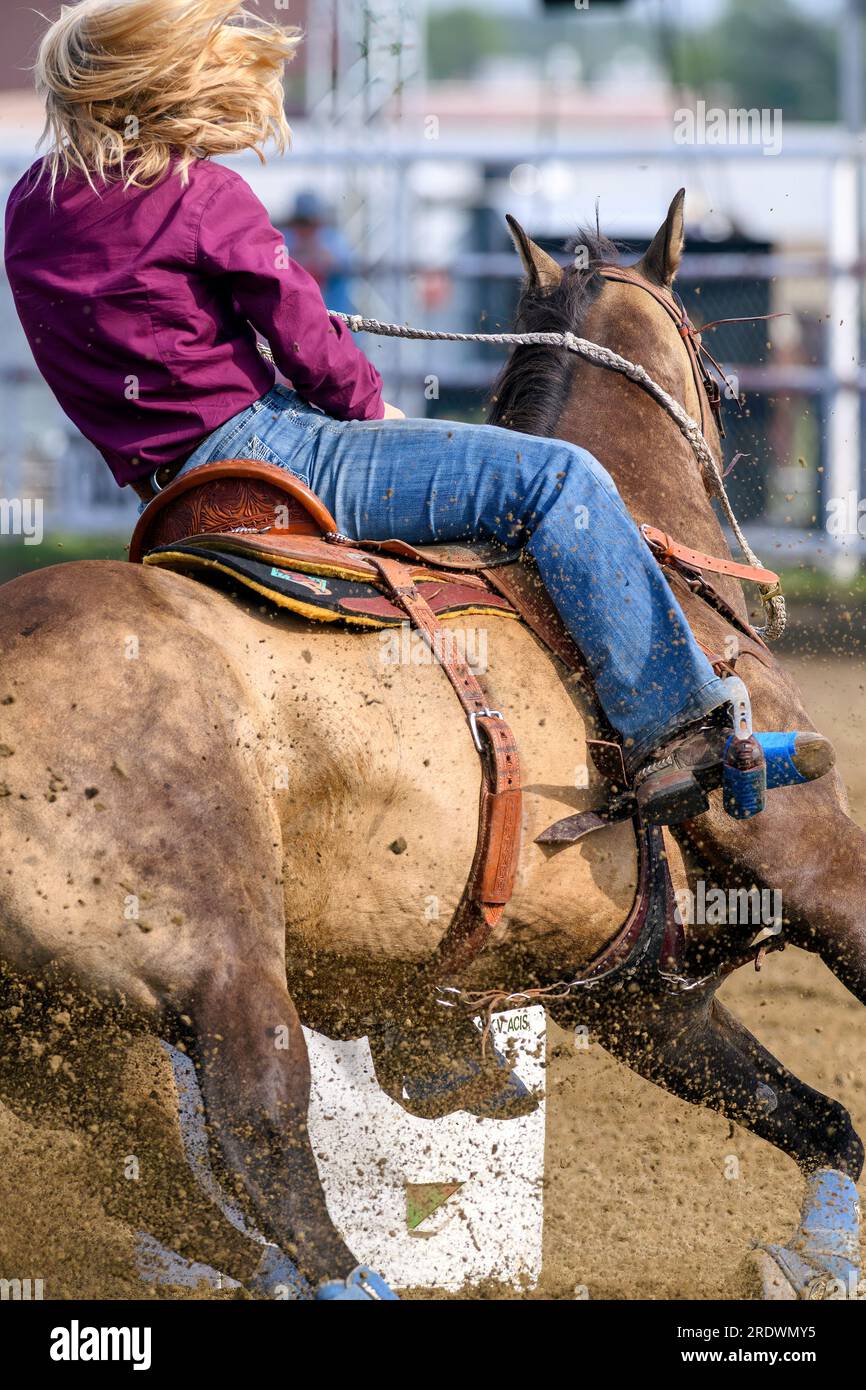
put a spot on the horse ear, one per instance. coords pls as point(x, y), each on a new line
point(540, 268)
point(662, 260)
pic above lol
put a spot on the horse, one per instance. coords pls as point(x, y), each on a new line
point(281, 806)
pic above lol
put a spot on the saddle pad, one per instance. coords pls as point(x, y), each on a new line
point(282, 549)
point(299, 584)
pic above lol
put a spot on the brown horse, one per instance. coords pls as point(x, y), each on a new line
point(229, 821)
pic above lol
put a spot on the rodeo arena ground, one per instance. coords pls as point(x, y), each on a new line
point(432, 666)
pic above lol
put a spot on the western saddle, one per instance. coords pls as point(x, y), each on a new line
point(264, 529)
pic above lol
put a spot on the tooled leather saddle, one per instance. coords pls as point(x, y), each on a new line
point(257, 525)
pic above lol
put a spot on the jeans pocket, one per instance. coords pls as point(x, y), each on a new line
point(289, 451)
point(256, 448)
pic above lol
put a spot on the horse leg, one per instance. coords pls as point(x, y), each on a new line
point(821, 885)
point(254, 1076)
point(701, 1053)
point(827, 1240)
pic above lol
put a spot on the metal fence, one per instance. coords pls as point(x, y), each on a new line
point(426, 228)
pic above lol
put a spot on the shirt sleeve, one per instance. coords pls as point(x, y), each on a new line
point(284, 304)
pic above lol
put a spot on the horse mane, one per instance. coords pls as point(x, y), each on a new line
point(531, 390)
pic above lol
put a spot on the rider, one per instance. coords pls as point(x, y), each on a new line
point(142, 272)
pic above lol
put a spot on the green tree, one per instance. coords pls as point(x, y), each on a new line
point(458, 39)
point(767, 55)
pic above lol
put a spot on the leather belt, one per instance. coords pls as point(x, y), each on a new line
point(159, 479)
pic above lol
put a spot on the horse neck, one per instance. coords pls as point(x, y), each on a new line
point(653, 466)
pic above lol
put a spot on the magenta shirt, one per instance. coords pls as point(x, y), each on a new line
point(141, 307)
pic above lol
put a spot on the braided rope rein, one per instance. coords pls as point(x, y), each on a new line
point(771, 594)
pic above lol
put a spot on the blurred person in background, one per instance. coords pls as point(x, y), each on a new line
point(315, 242)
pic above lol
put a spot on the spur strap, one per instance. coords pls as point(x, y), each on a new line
point(491, 877)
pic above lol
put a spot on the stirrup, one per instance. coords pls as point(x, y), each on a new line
point(744, 767)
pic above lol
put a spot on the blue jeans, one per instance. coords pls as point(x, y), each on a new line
point(437, 480)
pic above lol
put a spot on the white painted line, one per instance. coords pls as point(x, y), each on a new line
point(369, 1151)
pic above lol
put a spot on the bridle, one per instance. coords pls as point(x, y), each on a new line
point(707, 387)
point(696, 434)
point(702, 361)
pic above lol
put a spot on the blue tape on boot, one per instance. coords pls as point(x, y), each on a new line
point(743, 791)
point(779, 750)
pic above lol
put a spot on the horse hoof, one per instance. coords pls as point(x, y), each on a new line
point(362, 1285)
point(822, 1258)
point(511, 1102)
point(450, 1076)
point(158, 1264)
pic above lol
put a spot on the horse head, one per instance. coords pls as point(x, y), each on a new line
point(636, 312)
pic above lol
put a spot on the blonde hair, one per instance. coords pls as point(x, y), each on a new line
point(130, 85)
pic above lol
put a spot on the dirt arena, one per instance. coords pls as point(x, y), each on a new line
point(637, 1204)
